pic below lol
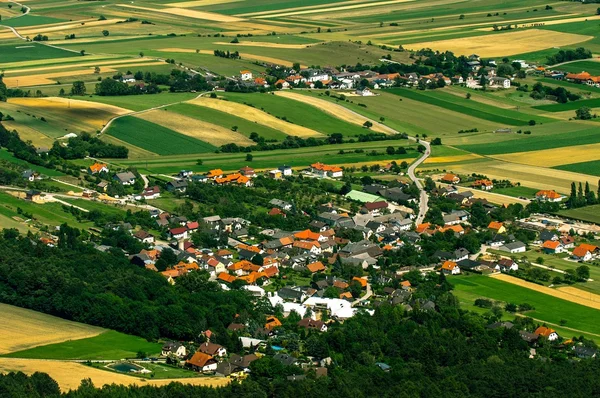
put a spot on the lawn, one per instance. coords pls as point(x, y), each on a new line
point(472, 108)
point(108, 345)
point(570, 106)
point(298, 113)
point(547, 308)
point(155, 138)
point(227, 120)
point(31, 51)
point(588, 213)
point(159, 370)
point(591, 168)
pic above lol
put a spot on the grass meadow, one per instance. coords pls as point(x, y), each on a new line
point(588, 213)
point(591, 168)
point(21, 51)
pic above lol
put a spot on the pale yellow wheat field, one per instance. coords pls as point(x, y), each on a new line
point(204, 131)
point(22, 329)
point(255, 115)
point(554, 157)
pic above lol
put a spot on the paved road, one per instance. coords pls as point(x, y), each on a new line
point(365, 297)
point(423, 199)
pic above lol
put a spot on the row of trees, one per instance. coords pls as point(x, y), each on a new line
point(581, 196)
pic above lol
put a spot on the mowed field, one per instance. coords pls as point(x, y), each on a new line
point(68, 375)
point(503, 44)
point(23, 329)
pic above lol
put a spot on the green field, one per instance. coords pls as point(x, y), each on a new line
point(31, 51)
point(5, 155)
point(516, 191)
point(298, 113)
point(30, 20)
point(547, 308)
point(570, 106)
point(227, 120)
point(591, 167)
point(155, 138)
point(108, 345)
point(588, 213)
point(591, 67)
point(142, 102)
point(159, 370)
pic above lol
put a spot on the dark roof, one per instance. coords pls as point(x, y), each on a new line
point(285, 359)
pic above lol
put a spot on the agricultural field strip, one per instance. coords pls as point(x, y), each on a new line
point(570, 106)
point(554, 157)
point(301, 8)
point(337, 111)
point(59, 61)
point(566, 21)
point(107, 63)
point(255, 115)
point(208, 16)
point(243, 55)
point(571, 294)
point(504, 44)
point(32, 31)
point(23, 329)
point(331, 9)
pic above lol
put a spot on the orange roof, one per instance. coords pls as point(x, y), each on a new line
point(259, 80)
point(215, 173)
point(252, 277)
point(580, 251)
point(272, 323)
point(286, 241)
point(324, 167)
point(591, 248)
point(486, 183)
point(422, 227)
point(550, 244)
point(173, 273)
point(548, 194)
point(199, 359)
point(225, 277)
point(455, 228)
point(245, 71)
point(96, 167)
point(449, 265)
point(307, 235)
point(239, 265)
point(495, 225)
point(578, 76)
point(280, 81)
point(316, 267)
point(271, 272)
point(248, 247)
point(405, 284)
point(387, 247)
point(306, 245)
point(346, 295)
point(363, 282)
point(449, 177)
point(340, 285)
point(544, 331)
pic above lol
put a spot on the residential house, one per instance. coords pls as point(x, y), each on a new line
point(316, 267)
point(125, 178)
point(275, 174)
point(364, 92)
point(98, 168)
point(450, 178)
point(214, 174)
point(202, 362)
point(374, 208)
point(308, 247)
point(514, 247)
point(185, 173)
point(247, 171)
point(548, 196)
point(546, 332)
point(281, 204)
point(213, 349)
point(245, 75)
point(497, 227)
point(178, 233)
point(552, 247)
point(282, 84)
point(311, 324)
point(286, 170)
point(484, 185)
point(499, 82)
point(128, 79)
point(324, 170)
point(450, 268)
point(29, 175)
point(581, 252)
point(507, 265)
point(177, 185)
point(144, 236)
point(173, 348)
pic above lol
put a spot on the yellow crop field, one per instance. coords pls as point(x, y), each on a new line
point(55, 61)
point(336, 110)
point(510, 43)
point(76, 114)
point(554, 157)
point(43, 29)
point(68, 375)
point(323, 10)
point(573, 291)
point(208, 16)
point(200, 3)
point(566, 293)
point(22, 329)
point(267, 45)
point(49, 78)
point(452, 159)
point(29, 134)
point(100, 63)
point(265, 13)
point(207, 132)
point(255, 115)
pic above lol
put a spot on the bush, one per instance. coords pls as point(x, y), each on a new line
point(483, 303)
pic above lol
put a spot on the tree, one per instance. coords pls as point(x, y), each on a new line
point(258, 260)
point(468, 96)
point(78, 88)
point(105, 32)
point(96, 69)
point(598, 11)
point(235, 40)
point(390, 150)
point(367, 124)
point(296, 66)
point(583, 113)
point(141, 54)
point(82, 52)
point(249, 157)
point(583, 272)
point(167, 258)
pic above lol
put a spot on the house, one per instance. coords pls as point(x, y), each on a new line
point(98, 168)
point(324, 170)
point(102, 185)
point(245, 75)
point(484, 185)
point(548, 196)
point(451, 178)
point(177, 185)
point(282, 84)
point(128, 79)
point(310, 324)
point(33, 195)
point(272, 323)
point(214, 174)
point(552, 247)
point(29, 175)
point(450, 268)
point(500, 82)
point(497, 227)
point(514, 247)
point(213, 349)
point(316, 267)
point(247, 171)
point(546, 332)
point(286, 170)
point(125, 178)
point(202, 362)
point(581, 253)
point(282, 204)
point(185, 173)
point(143, 236)
point(150, 193)
point(178, 233)
point(567, 241)
point(173, 348)
point(285, 359)
point(308, 247)
point(260, 81)
point(365, 92)
point(507, 264)
point(374, 208)
point(275, 174)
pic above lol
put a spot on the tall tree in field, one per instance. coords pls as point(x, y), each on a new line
point(580, 198)
point(78, 88)
point(572, 201)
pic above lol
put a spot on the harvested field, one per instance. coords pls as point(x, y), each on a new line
point(208, 16)
point(566, 293)
point(48, 78)
point(200, 3)
point(255, 115)
point(557, 21)
point(331, 9)
point(34, 30)
point(452, 159)
point(207, 132)
point(267, 45)
point(27, 133)
point(504, 43)
point(23, 329)
point(69, 374)
point(105, 63)
point(265, 13)
point(554, 157)
point(338, 111)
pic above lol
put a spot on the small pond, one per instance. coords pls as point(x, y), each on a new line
point(125, 367)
